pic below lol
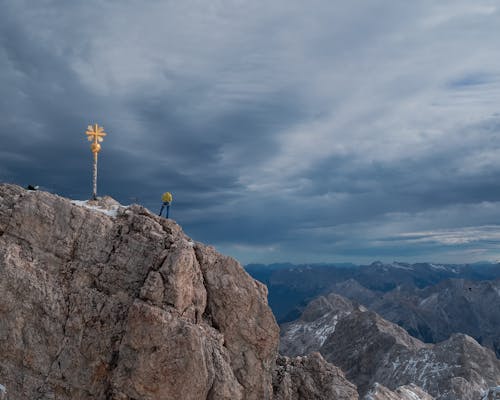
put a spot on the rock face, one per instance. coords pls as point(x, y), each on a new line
point(117, 303)
point(316, 323)
point(370, 349)
point(311, 377)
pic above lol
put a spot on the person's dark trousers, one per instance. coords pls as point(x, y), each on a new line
point(165, 204)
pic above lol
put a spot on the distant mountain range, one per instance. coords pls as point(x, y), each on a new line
point(291, 286)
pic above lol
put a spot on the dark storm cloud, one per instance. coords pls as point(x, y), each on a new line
point(327, 131)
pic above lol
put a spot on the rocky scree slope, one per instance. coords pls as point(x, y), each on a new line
point(99, 301)
point(318, 321)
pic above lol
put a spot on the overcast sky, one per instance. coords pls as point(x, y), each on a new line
point(302, 131)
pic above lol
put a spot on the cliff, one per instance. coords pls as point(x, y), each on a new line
point(101, 301)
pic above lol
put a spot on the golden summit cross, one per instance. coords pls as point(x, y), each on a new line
point(95, 134)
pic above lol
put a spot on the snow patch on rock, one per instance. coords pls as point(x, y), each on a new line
point(438, 267)
point(111, 212)
point(319, 330)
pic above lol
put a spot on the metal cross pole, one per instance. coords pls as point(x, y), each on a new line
point(95, 134)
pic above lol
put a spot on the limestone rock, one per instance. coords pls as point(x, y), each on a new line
point(311, 377)
point(99, 301)
point(316, 323)
point(231, 297)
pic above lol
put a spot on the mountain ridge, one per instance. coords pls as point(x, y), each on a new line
point(371, 350)
point(292, 287)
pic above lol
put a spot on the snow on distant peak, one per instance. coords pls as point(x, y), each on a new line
point(318, 330)
point(302, 337)
point(398, 265)
point(438, 267)
point(441, 267)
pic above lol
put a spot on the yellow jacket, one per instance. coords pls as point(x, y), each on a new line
point(166, 197)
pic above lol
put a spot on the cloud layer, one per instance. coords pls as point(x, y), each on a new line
point(326, 131)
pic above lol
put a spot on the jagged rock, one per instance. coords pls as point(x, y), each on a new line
point(311, 377)
point(316, 323)
point(406, 392)
point(361, 342)
point(456, 305)
point(99, 301)
point(232, 297)
point(153, 359)
point(433, 314)
point(370, 349)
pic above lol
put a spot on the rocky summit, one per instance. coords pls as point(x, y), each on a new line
point(100, 301)
point(317, 322)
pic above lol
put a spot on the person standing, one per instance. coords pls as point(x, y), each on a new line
point(166, 200)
